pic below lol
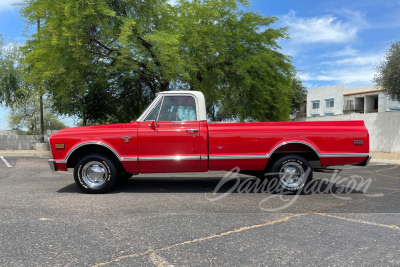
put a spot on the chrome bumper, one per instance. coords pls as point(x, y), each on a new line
point(51, 164)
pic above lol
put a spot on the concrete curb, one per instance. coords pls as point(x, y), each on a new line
point(385, 161)
point(25, 153)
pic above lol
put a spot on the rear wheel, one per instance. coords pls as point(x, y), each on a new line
point(95, 173)
point(292, 172)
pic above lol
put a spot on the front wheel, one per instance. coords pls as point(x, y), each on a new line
point(95, 173)
point(292, 172)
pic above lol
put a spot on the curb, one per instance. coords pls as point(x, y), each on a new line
point(385, 161)
point(25, 153)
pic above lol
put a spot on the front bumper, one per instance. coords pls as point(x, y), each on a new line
point(52, 165)
point(365, 162)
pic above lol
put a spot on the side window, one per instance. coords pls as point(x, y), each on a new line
point(153, 114)
point(315, 105)
point(178, 108)
point(330, 104)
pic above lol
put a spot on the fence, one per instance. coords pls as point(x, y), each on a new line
point(17, 140)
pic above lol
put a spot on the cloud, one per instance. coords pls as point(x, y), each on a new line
point(356, 70)
point(357, 17)
point(345, 52)
point(349, 76)
point(323, 29)
point(357, 60)
point(7, 5)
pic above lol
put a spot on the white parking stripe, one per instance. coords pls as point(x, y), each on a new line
point(5, 162)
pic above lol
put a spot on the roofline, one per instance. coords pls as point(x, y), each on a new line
point(365, 92)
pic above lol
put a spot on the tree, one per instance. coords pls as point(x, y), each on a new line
point(388, 72)
point(298, 96)
point(12, 91)
point(19, 95)
point(28, 118)
point(105, 60)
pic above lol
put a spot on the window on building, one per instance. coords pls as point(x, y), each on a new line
point(394, 98)
point(330, 103)
point(349, 105)
point(315, 105)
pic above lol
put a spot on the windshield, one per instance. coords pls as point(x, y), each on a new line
point(147, 108)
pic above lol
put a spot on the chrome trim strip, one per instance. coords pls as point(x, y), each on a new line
point(51, 164)
point(153, 104)
point(344, 155)
point(177, 158)
point(204, 157)
point(85, 144)
point(292, 142)
point(320, 155)
point(149, 108)
point(128, 159)
point(240, 157)
point(158, 114)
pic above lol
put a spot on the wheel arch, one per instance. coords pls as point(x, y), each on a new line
point(299, 148)
point(92, 147)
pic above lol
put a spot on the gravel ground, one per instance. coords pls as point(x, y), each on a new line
point(385, 155)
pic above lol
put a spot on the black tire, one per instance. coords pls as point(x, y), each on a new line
point(292, 172)
point(95, 173)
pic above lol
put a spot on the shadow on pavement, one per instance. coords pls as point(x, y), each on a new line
point(209, 185)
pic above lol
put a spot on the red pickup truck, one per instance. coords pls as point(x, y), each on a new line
point(173, 135)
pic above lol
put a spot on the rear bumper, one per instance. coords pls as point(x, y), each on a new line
point(52, 165)
point(365, 162)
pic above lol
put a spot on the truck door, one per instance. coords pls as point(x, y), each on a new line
point(168, 139)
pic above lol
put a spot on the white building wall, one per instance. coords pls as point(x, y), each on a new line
point(383, 128)
point(340, 95)
point(320, 94)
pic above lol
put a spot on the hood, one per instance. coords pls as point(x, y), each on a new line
point(92, 128)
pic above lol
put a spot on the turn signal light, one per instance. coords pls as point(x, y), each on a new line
point(59, 146)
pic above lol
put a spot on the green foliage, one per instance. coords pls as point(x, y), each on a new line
point(104, 60)
point(27, 116)
point(12, 91)
point(388, 72)
point(298, 96)
point(19, 95)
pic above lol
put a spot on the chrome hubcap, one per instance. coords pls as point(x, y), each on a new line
point(291, 175)
point(94, 174)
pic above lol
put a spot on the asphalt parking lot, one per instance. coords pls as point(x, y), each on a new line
point(351, 218)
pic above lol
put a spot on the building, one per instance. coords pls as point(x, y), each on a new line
point(342, 100)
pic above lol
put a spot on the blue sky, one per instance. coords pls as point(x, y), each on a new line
point(332, 41)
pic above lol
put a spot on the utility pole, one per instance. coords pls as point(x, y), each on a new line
point(41, 96)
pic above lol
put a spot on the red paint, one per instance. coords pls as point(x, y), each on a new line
point(215, 139)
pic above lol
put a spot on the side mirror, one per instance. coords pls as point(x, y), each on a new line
point(153, 124)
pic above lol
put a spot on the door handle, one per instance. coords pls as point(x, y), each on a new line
point(192, 130)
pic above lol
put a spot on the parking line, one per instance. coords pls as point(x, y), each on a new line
point(5, 162)
point(359, 221)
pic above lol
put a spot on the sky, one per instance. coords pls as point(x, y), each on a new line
point(331, 42)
